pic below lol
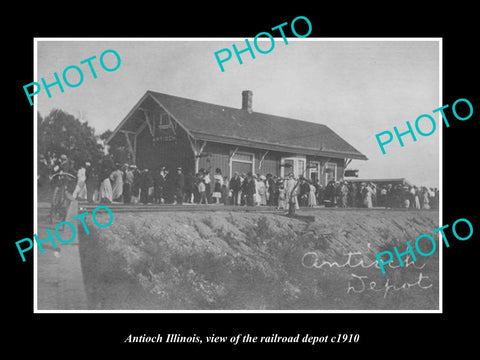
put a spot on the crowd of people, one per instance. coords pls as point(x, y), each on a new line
point(369, 194)
point(126, 183)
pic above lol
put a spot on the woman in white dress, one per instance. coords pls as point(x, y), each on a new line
point(281, 197)
point(367, 196)
point(80, 191)
point(117, 184)
point(261, 190)
point(416, 197)
point(426, 199)
point(290, 192)
point(312, 199)
point(217, 187)
point(106, 168)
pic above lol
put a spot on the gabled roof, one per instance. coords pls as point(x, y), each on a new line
point(210, 122)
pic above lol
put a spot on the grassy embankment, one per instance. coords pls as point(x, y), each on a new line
point(236, 260)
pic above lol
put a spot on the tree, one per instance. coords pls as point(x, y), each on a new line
point(117, 148)
point(62, 133)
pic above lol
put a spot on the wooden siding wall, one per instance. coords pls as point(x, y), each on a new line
point(340, 169)
point(167, 153)
point(215, 155)
point(218, 156)
point(270, 164)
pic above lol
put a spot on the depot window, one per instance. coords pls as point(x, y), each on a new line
point(293, 164)
point(330, 172)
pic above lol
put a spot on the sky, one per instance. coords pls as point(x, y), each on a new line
point(357, 88)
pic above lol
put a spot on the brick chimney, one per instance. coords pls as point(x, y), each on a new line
point(247, 101)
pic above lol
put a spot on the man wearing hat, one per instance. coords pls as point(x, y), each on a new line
point(64, 163)
point(304, 191)
point(250, 189)
point(235, 186)
point(271, 190)
point(179, 185)
point(158, 184)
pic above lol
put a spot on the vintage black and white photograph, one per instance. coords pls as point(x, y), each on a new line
point(209, 175)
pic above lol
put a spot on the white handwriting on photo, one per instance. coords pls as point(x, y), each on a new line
point(359, 283)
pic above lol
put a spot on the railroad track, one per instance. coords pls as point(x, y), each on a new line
point(124, 208)
point(117, 208)
point(203, 208)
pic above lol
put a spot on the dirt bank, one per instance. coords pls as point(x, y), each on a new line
point(235, 260)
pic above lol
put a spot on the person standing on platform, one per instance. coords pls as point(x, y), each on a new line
point(235, 186)
point(155, 181)
point(179, 186)
point(276, 193)
point(208, 185)
point(271, 190)
point(169, 186)
point(338, 194)
point(425, 195)
point(250, 189)
point(320, 193)
point(389, 196)
point(127, 184)
point(161, 185)
point(91, 182)
point(304, 191)
point(351, 197)
point(225, 192)
point(188, 189)
point(106, 194)
point(343, 194)
point(136, 184)
point(217, 187)
point(416, 198)
point(367, 196)
point(261, 189)
point(412, 192)
point(281, 204)
point(80, 191)
point(312, 199)
point(243, 190)
point(196, 190)
point(65, 164)
point(117, 183)
point(291, 192)
point(330, 194)
point(201, 190)
point(146, 182)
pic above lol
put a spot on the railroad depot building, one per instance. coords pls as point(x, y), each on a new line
point(171, 131)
